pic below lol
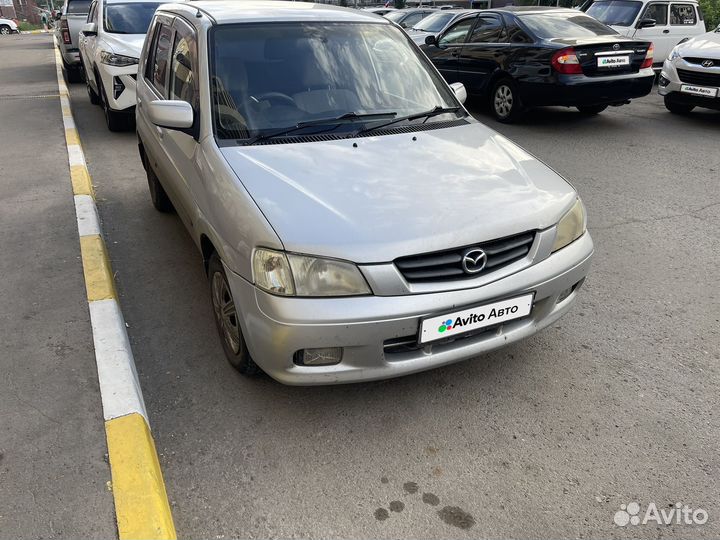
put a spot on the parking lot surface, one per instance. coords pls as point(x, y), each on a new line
point(615, 403)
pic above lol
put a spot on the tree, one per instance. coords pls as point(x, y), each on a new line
point(711, 9)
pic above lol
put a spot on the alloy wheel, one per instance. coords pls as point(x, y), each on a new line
point(503, 100)
point(225, 312)
point(4, 30)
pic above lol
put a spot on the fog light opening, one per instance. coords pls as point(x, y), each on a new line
point(662, 81)
point(118, 87)
point(326, 356)
point(567, 292)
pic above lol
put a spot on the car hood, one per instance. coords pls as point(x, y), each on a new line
point(377, 198)
point(127, 44)
point(704, 46)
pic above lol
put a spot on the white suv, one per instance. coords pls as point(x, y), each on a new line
point(665, 23)
point(110, 44)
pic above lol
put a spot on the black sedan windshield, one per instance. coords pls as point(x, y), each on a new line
point(434, 22)
point(565, 25)
point(272, 76)
point(130, 17)
point(615, 12)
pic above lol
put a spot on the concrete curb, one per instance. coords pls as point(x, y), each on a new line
point(141, 504)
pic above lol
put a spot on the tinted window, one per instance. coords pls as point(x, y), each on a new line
point(78, 7)
point(565, 25)
point(93, 11)
point(274, 75)
point(517, 35)
point(658, 12)
point(457, 33)
point(183, 66)
point(161, 52)
point(615, 12)
point(487, 30)
point(434, 22)
point(130, 18)
point(681, 14)
point(394, 15)
point(413, 19)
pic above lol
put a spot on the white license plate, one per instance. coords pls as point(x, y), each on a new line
point(613, 61)
point(699, 90)
point(459, 322)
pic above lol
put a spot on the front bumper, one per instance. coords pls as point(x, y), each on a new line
point(670, 85)
point(119, 77)
point(276, 327)
point(579, 90)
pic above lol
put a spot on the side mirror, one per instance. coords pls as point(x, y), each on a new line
point(460, 92)
point(646, 23)
point(431, 40)
point(89, 29)
point(171, 114)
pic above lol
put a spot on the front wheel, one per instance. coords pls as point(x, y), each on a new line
point(115, 121)
point(591, 109)
point(677, 108)
point(227, 319)
point(158, 195)
point(504, 101)
point(4, 30)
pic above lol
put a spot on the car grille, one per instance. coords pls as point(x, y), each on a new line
point(699, 61)
point(699, 77)
point(447, 265)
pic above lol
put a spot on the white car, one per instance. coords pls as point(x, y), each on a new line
point(110, 44)
point(665, 23)
point(690, 76)
point(8, 27)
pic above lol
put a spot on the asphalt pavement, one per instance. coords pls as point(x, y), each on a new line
point(616, 403)
point(53, 473)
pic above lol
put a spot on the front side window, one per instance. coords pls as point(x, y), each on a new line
point(270, 76)
point(160, 57)
point(183, 66)
point(129, 18)
point(412, 20)
point(565, 25)
point(487, 30)
point(658, 12)
point(615, 12)
point(457, 33)
point(682, 14)
point(91, 15)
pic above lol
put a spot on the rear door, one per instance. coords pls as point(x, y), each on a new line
point(445, 54)
point(484, 52)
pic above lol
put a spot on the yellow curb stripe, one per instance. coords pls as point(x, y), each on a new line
point(80, 178)
point(72, 137)
point(96, 267)
point(141, 503)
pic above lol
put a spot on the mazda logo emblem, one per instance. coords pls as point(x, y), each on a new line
point(616, 46)
point(473, 261)
point(708, 63)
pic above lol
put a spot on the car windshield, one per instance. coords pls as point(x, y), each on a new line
point(78, 7)
point(434, 22)
point(615, 12)
point(129, 18)
point(565, 25)
point(395, 15)
point(272, 76)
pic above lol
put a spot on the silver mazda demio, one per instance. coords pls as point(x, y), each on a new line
point(356, 222)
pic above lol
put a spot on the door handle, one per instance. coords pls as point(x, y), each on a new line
point(666, 31)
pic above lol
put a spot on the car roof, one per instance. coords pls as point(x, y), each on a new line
point(248, 11)
point(537, 9)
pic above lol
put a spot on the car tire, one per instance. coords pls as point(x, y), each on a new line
point(158, 195)
point(677, 108)
point(5, 30)
point(94, 98)
point(115, 121)
point(227, 319)
point(591, 110)
point(505, 103)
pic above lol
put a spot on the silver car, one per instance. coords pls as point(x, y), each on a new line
point(355, 221)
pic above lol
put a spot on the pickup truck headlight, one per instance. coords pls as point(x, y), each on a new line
point(300, 275)
point(571, 227)
point(118, 60)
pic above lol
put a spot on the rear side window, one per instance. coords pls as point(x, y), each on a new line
point(78, 7)
point(682, 14)
point(659, 12)
point(457, 33)
point(487, 30)
point(184, 66)
point(157, 67)
point(515, 34)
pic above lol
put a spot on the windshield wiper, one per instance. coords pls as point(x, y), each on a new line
point(334, 122)
point(436, 111)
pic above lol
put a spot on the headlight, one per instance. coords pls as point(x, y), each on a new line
point(674, 54)
point(119, 60)
point(299, 275)
point(571, 226)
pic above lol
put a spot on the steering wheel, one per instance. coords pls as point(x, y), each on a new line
point(277, 97)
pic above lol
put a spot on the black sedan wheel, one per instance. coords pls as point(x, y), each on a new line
point(505, 101)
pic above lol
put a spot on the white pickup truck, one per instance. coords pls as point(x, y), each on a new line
point(72, 18)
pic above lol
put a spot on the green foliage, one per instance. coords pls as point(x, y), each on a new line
point(711, 9)
point(399, 4)
point(24, 26)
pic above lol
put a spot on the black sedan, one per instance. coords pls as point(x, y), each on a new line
point(526, 57)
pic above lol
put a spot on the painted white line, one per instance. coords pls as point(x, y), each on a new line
point(119, 385)
point(75, 155)
point(87, 216)
point(68, 122)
